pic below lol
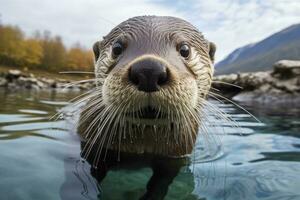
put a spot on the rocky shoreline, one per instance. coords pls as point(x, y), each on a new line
point(16, 79)
point(281, 85)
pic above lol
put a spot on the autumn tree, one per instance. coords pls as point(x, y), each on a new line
point(79, 59)
point(42, 50)
point(11, 45)
point(54, 53)
point(33, 53)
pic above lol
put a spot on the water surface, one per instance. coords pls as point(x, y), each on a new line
point(40, 158)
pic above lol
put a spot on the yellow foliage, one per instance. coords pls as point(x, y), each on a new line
point(11, 39)
point(79, 59)
point(45, 52)
point(33, 52)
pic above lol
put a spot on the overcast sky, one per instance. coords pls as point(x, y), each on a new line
point(228, 23)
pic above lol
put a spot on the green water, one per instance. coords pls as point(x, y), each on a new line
point(40, 158)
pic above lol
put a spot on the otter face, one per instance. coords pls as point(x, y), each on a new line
point(152, 74)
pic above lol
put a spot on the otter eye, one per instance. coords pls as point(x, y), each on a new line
point(117, 49)
point(184, 50)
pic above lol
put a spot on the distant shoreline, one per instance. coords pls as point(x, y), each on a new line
point(281, 85)
point(14, 79)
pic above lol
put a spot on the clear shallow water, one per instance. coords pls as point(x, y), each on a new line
point(39, 159)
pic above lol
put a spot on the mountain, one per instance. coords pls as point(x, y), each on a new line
point(260, 56)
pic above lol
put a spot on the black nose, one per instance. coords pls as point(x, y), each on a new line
point(148, 75)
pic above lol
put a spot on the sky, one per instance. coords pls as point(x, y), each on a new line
point(228, 23)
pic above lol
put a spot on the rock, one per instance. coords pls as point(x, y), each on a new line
point(286, 69)
point(15, 79)
point(49, 82)
point(231, 78)
point(86, 86)
point(15, 73)
point(3, 82)
point(40, 84)
point(287, 86)
point(280, 85)
point(35, 87)
point(26, 82)
point(251, 81)
point(60, 85)
point(225, 83)
point(12, 85)
point(275, 96)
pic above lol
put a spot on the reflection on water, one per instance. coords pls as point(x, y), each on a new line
point(40, 159)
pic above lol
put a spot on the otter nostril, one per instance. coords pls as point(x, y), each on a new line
point(133, 77)
point(148, 75)
point(163, 78)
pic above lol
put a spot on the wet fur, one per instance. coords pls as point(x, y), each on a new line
point(110, 130)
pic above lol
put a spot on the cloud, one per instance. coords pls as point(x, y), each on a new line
point(81, 20)
point(230, 24)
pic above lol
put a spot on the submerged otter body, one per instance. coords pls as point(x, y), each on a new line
point(152, 76)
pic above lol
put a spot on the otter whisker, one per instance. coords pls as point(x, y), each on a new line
point(56, 115)
point(89, 112)
point(92, 124)
point(77, 82)
point(77, 72)
point(237, 105)
point(187, 132)
point(79, 97)
point(212, 88)
point(93, 99)
point(92, 108)
point(225, 83)
point(116, 118)
point(203, 127)
point(91, 140)
point(59, 113)
point(215, 110)
point(209, 137)
point(110, 117)
point(195, 113)
point(114, 131)
point(112, 113)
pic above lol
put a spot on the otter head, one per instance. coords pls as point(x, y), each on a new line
point(152, 76)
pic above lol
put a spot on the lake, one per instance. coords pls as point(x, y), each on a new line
point(243, 159)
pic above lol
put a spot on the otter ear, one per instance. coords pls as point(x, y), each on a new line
point(96, 49)
point(212, 51)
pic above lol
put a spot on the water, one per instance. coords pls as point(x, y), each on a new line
point(39, 158)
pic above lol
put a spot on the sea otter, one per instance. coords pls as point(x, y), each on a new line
point(152, 74)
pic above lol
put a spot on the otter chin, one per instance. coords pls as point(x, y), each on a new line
point(152, 76)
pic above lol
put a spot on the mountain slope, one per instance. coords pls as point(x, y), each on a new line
point(261, 55)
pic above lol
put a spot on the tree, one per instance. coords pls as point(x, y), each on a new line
point(41, 50)
point(11, 45)
point(79, 59)
point(33, 53)
point(54, 53)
